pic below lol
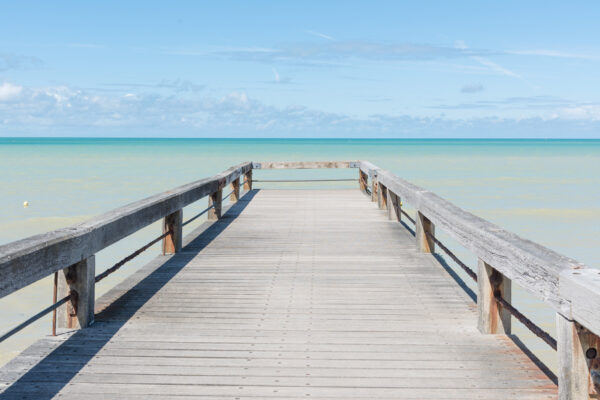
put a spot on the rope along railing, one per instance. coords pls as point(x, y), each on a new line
point(536, 330)
point(201, 213)
point(539, 332)
point(37, 316)
point(97, 279)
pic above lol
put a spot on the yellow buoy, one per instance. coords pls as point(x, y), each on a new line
point(25, 204)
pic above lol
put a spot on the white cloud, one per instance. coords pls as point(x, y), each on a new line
point(277, 78)
point(587, 112)
point(63, 109)
point(8, 91)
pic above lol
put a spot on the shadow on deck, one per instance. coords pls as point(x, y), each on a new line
point(56, 369)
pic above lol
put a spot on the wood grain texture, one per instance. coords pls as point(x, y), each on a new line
point(77, 280)
point(171, 244)
point(26, 261)
point(304, 164)
point(578, 374)
point(216, 201)
point(291, 294)
point(424, 226)
point(582, 288)
point(492, 317)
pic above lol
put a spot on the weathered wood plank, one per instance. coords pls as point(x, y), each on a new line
point(304, 164)
point(78, 281)
point(492, 317)
point(582, 289)
point(171, 244)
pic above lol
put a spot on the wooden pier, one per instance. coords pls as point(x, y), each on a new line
point(296, 294)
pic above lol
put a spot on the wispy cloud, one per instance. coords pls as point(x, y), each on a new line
point(553, 53)
point(345, 51)
point(495, 67)
point(281, 80)
point(321, 35)
point(18, 62)
point(177, 85)
point(472, 88)
point(548, 103)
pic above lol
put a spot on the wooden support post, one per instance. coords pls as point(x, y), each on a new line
point(393, 202)
point(382, 199)
point(492, 317)
point(248, 181)
point(216, 198)
point(374, 188)
point(77, 280)
point(171, 244)
point(578, 360)
point(362, 181)
point(425, 244)
point(235, 191)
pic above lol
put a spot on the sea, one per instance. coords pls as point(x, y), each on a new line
point(547, 191)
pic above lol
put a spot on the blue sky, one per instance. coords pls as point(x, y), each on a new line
point(300, 69)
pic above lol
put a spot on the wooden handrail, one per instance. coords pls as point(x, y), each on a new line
point(28, 260)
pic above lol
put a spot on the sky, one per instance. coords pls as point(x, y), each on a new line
point(368, 69)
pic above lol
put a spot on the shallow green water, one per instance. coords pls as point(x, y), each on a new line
point(547, 191)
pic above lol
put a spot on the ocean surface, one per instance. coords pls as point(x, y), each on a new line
point(544, 190)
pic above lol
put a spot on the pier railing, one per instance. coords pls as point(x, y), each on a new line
point(566, 285)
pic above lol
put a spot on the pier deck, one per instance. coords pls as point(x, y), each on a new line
point(292, 294)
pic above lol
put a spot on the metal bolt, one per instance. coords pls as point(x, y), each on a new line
point(591, 353)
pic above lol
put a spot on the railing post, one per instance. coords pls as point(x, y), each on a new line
point(362, 181)
point(248, 181)
point(215, 199)
point(492, 317)
point(235, 191)
point(382, 197)
point(393, 203)
point(374, 187)
point(77, 280)
point(423, 226)
point(578, 360)
point(171, 243)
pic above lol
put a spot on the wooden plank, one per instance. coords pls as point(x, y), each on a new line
point(171, 244)
point(578, 366)
point(304, 164)
point(28, 260)
point(235, 191)
point(423, 227)
point(492, 317)
point(77, 281)
point(216, 201)
point(582, 288)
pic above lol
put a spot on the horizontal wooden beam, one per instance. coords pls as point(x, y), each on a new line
point(581, 288)
point(368, 168)
point(28, 260)
point(530, 265)
point(305, 164)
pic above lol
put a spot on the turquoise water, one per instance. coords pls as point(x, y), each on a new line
point(544, 190)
